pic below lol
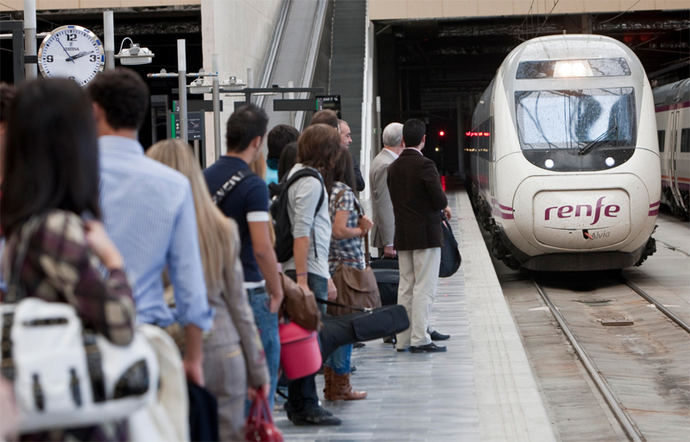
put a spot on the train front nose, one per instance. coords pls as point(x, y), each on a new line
point(582, 212)
point(577, 219)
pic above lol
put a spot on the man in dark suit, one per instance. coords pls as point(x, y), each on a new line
point(345, 141)
point(418, 200)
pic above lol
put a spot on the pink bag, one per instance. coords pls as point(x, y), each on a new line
point(259, 426)
point(300, 354)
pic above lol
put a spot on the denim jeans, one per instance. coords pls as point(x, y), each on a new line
point(339, 360)
point(302, 396)
point(267, 323)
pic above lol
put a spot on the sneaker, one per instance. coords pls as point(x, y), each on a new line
point(315, 416)
point(428, 348)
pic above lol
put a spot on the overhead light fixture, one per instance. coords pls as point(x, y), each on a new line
point(134, 54)
point(203, 85)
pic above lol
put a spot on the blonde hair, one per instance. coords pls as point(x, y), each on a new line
point(216, 232)
point(258, 166)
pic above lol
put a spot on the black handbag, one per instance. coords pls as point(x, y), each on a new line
point(450, 255)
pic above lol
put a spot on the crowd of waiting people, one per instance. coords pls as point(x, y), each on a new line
point(129, 235)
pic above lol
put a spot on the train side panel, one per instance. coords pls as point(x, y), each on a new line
point(673, 123)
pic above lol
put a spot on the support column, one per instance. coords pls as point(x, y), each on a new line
point(30, 59)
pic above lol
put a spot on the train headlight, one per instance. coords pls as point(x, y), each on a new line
point(572, 68)
point(610, 161)
point(549, 163)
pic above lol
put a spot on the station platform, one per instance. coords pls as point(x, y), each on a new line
point(482, 389)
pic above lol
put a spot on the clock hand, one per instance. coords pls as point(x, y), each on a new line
point(81, 54)
point(69, 57)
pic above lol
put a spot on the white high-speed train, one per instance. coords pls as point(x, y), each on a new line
point(564, 156)
point(672, 103)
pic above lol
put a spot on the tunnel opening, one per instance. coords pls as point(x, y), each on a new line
point(436, 70)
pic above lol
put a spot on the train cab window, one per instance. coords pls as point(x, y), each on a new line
point(596, 67)
point(685, 140)
point(661, 135)
point(572, 119)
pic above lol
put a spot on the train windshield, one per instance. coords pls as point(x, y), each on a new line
point(573, 119)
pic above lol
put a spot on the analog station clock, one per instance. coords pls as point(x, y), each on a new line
point(73, 52)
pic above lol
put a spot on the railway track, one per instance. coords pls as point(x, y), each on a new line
point(659, 306)
point(673, 248)
point(616, 394)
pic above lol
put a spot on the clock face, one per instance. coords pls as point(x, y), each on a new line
point(72, 52)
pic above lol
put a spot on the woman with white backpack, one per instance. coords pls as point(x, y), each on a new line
point(57, 249)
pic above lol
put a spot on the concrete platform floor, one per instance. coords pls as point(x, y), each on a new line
point(482, 389)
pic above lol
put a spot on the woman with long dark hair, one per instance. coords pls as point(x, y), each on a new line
point(50, 208)
point(349, 226)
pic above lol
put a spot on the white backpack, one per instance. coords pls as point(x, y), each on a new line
point(65, 376)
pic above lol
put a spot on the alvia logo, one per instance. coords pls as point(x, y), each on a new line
point(584, 211)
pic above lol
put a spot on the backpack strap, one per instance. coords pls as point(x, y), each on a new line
point(308, 171)
point(229, 185)
point(6, 360)
point(15, 292)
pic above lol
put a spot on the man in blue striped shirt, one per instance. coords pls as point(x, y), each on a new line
point(149, 213)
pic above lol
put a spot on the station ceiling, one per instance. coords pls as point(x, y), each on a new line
point(439, 59)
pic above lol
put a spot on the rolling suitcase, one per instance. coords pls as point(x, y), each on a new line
point(387, 281)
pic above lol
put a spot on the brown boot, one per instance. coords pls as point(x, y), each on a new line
point(329, 386)
point(342, 390)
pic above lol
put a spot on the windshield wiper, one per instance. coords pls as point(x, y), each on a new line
point(598, 140)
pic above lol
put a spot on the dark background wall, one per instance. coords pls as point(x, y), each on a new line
point(437, 69)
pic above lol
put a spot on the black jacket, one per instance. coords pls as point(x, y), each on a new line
point(418, 199)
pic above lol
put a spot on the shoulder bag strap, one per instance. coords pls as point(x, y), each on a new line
point(229, 185)
point(336, 304)
point(15, 291)
point(367, 254)
point(339, 196)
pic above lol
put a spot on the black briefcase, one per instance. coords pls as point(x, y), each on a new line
point(384, 263)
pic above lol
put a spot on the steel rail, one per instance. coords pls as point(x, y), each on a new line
point(659, 306)
point(614, 404)
point(674, 248)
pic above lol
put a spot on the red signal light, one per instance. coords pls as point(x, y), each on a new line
point(441, 133)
